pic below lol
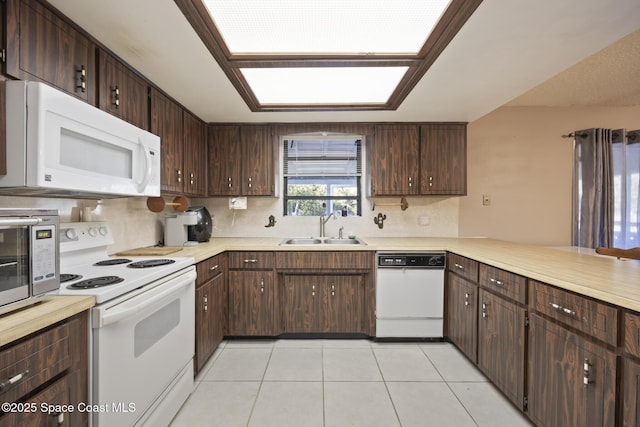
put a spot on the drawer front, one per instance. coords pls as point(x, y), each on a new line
point(462, 266)
point(211, 267)
point(322, 260)
point(594, 318)
point(504, 283)
point(54, 397)
point(632, 334)
point(38, 359)
point(251, 260)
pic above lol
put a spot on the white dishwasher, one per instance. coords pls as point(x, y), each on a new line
point(409, 294)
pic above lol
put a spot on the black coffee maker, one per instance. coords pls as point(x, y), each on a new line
point(201, 231)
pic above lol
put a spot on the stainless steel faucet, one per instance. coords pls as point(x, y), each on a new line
point(323, 221)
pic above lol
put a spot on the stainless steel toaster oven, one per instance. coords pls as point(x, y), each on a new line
point(29, 254)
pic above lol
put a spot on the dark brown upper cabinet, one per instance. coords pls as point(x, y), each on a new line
point(242, 160)
point(121, 92)
point(418, 160)
point(443, 159)
point(258, 160)
point(393, 160)
point(43, 47)
point(224, 160)
point(166, 122)
point(194, 155)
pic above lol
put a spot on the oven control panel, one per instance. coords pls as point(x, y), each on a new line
point(83, 235)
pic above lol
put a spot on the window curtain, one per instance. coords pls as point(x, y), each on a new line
point(626, 172)
point(593, 203)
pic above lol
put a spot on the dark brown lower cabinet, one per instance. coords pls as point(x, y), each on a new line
point(501, 344)
point(462, 312)
point(322, 303)
point(211, 318)
point(54, 367)
point(571, 380)
point(251, 302)
point(631, 385)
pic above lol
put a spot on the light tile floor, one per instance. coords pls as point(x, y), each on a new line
point(333, 383)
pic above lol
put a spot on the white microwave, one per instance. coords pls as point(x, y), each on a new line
point(58, 145)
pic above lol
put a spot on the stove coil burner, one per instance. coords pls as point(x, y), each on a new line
point(114, 261)
point(151, 263)
point(69, 277)
point(96, 282)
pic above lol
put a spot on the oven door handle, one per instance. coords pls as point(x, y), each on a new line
point(13, 221)
point(142, 301)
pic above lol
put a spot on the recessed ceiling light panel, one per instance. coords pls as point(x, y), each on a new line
point(325, 26)
point(340, 85)
point(322, 55)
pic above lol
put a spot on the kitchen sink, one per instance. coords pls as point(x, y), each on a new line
point(343, 242)
point(320, 241)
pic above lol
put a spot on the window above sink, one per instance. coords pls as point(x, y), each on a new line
point(322, 174)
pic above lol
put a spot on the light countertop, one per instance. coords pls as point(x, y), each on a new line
point(46, 311)
point(605, 278)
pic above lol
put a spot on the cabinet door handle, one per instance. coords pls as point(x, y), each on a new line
point(206, 303)
point(466, 299)
point(496, 281)
point(563, 310)
point(229, 182)
point(250, 261)
point(430, 181)
point(586, 373)
point(262, 286)
point(14, 379)
point(215, 267)
point(313, 290)
point(82, 78)
point(484, 310)
point(333, 290)
point(179, 175)
point(410, 182)
point(459, 266)
point(249, 182)
point(59, 419)
point(116, 97)
point(191, 178)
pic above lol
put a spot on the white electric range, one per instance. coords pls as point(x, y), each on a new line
point(142, 327)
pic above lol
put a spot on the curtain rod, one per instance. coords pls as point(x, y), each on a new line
point(632, 135)
point(573, 135)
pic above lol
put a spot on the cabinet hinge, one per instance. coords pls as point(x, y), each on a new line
point(526, 322)
point(525, 403)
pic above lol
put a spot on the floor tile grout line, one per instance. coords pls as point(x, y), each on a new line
point(324, 405)
point(451, 389)
point(255, 401)
point(386, 387)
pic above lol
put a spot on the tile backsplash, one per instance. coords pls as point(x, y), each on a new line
point(439, 213)
point(133, 225)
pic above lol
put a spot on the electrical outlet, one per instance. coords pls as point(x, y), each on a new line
point(486, 200)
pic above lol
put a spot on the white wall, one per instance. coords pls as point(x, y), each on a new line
point(517, 156)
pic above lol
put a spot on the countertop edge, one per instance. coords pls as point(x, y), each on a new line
point(603, 278)
point(49, 310)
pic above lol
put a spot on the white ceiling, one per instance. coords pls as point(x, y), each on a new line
point(507, 48)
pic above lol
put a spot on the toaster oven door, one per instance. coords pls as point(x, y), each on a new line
point(14, 263)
